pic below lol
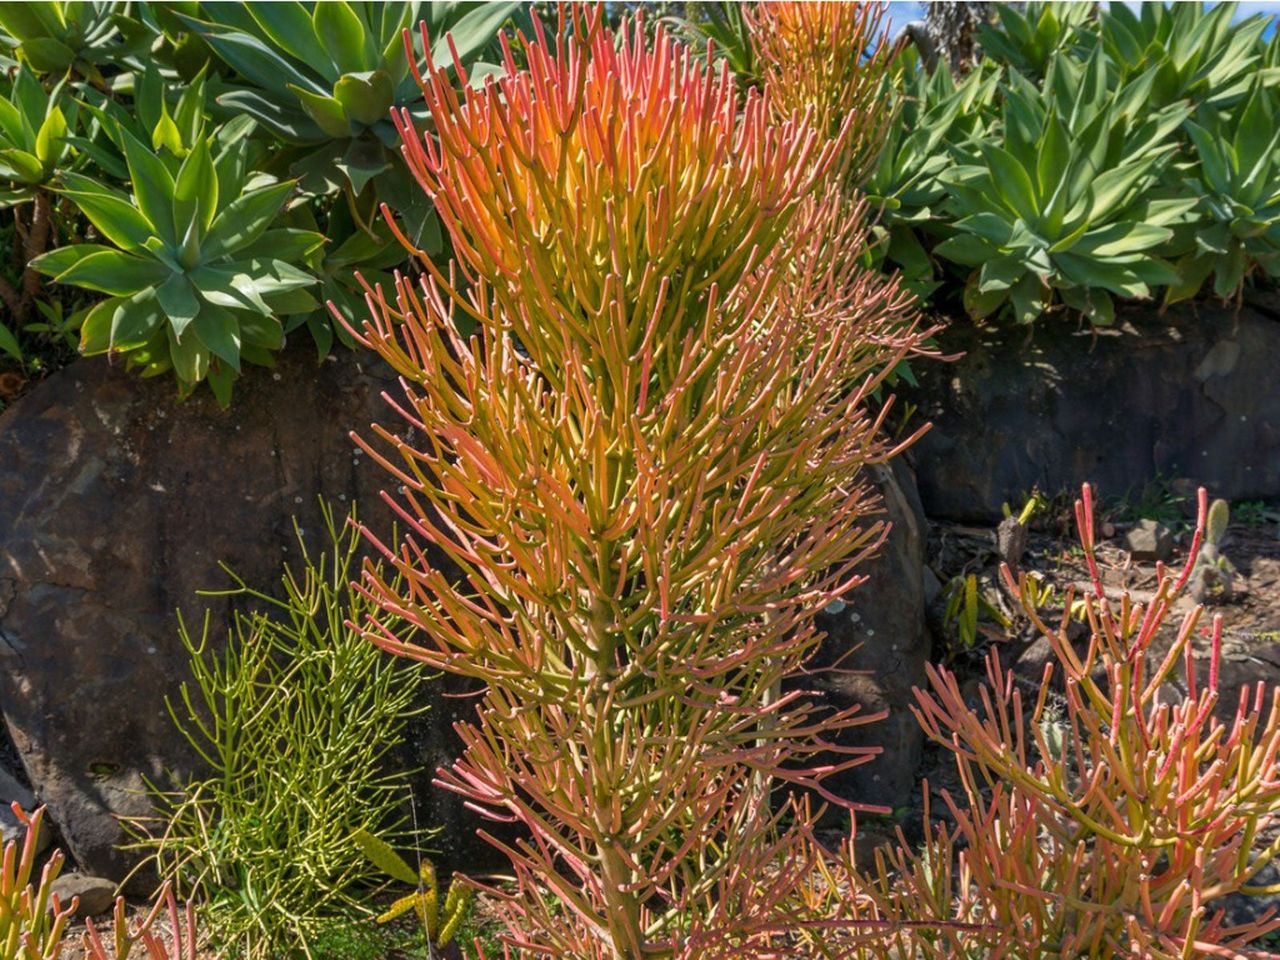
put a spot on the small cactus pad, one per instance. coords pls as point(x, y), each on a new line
point(1216, 525)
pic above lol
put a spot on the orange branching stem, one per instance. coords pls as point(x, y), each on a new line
point(834, 59)
point(626, 495)
point(1109, 814)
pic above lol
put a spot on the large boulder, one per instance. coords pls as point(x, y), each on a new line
point(877, 643)
point(1191, 396)
point(116, 505)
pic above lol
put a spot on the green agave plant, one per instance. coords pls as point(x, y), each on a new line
point(722, 23)
point(35, 146)
point(936, 111)
point(1199, 53)
point(79, 36)
point(35, 136)
point(148, 119)
point(1235, 230)
point(324, 76)
point(1061, 206)
point(1027, 39)
point(196, 280)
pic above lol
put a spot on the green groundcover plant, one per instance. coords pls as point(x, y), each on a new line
point(294, 720)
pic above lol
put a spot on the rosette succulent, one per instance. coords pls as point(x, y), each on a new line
point(195, 280)
point(1060, 206)
point(324, 77)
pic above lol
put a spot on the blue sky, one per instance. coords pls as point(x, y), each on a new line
point(900, 13)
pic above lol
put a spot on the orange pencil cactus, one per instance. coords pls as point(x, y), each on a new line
point(646, 465)
point(833, 59)
point(1110, 819)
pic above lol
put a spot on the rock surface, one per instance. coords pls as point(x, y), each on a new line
point(878, 643)
point(11, 828)
point(1191, 397)
point(95, 894)
point(1149, 540)
point(116, 505)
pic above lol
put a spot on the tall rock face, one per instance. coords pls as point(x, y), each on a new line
point(1191, 397)
point(877, 643)
point(117, 504)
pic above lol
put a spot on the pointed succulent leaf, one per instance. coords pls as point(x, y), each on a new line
point(153, 186)
point(290, 27)
point(217, 328)
point(366, 98)
point(343, 36)
point(195, 192)
point(21, 166)
point(178, 299)
point(327, 113)
point(189, 356)
point(112, 213)
point(245, 219)
point(114, 272)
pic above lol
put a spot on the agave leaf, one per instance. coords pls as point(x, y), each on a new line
point(364, 159)
point(95, 328)
point(252, 58)
point(190, 358)
point(62, 259)
point(1121, 238)
point(112, 213)
point(365, 98)
point(218, 330)
point(49, 139)
point(228, 287)
point(113, 272)
point(178, 299)
point(327, 112)
point(343, 36)
point(21, 166)
point(291, 28)
point(135, 321)
point(245, 219)
point(153, 186)
point(195, 191)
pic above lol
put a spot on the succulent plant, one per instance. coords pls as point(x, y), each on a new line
point(181, 933)
point(645, 460)
point(1234, 231)
point(325, 76)
point(834, 60)
point(196, 280)
point(936, 112)
point(35, 136)
point(36, 128)
point(1028, 36)
point(1104, 820)
point(33, 920)
point(56, 37)
point(149, 119)
point(1060, 206)
point(1206, 55)
point(1213, 574)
